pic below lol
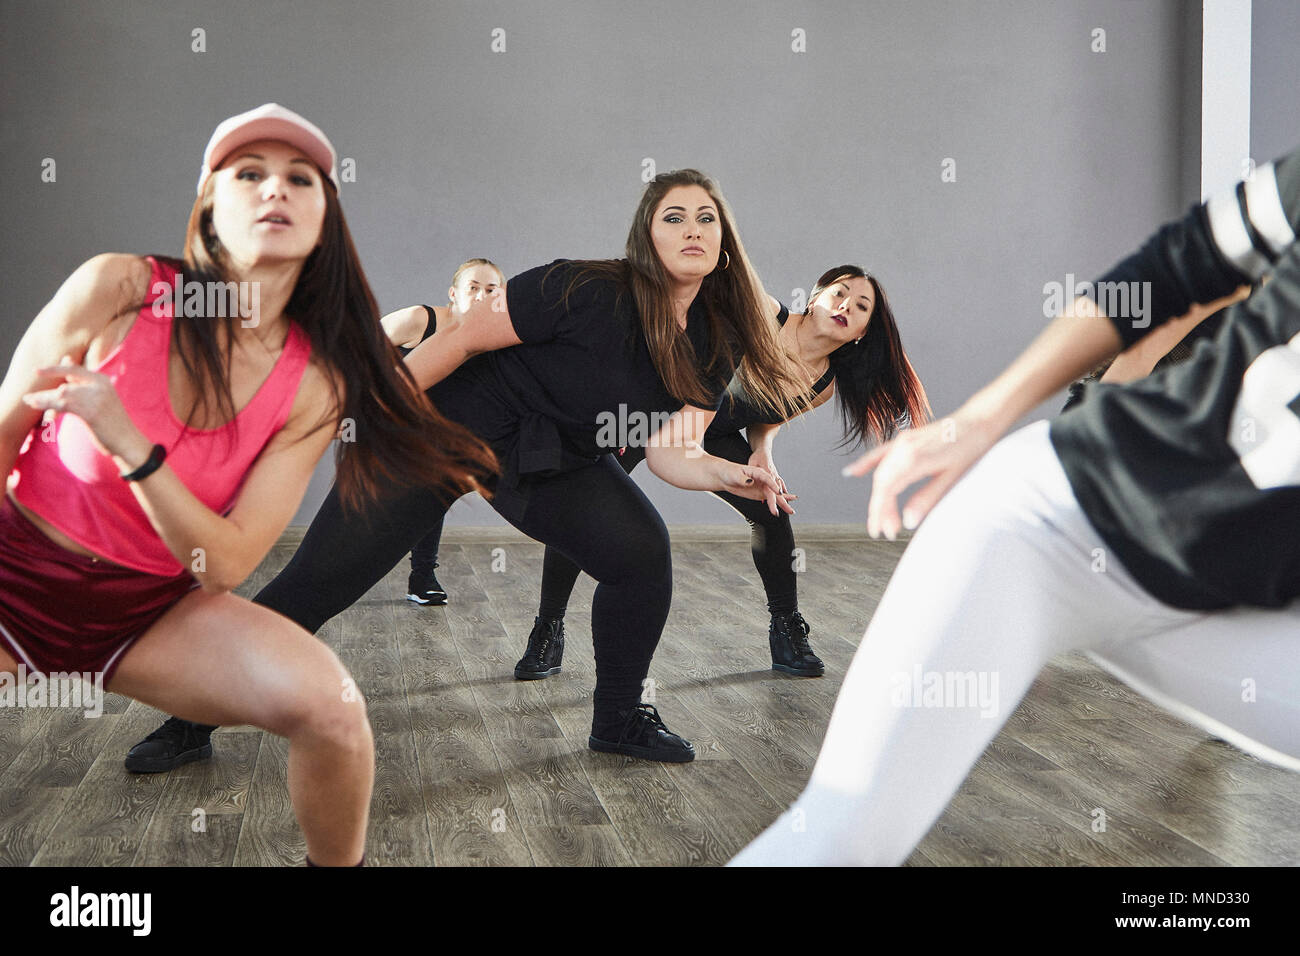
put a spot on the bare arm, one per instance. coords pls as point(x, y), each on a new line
point(761, 437)
point(1075, 342)
point(486, 327)
point(1138, 360)
point(219, 551)
point(675, 454)
point(80, 311)
point(46, 374)
point(232, 546)
point(1200, 258)
point(405, 325)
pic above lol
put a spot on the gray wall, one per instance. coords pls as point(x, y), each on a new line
point(1065, 158)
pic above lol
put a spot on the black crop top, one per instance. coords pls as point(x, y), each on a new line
point(739, 411)
point(430, 326)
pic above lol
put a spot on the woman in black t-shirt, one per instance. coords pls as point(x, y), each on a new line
point(649, 342)
point(845, 343)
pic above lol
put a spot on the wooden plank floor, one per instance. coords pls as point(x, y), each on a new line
point(475, 768)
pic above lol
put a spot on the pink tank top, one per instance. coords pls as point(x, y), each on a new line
point(63, 477)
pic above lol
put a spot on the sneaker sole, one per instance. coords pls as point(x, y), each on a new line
point(641, 753)
point(787, 669)
point(163, 764)
point(534, 675)
point(436, 602)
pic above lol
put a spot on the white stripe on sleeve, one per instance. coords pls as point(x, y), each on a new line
point(1230, 235)
point(1264, 203)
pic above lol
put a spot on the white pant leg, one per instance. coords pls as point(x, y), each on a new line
point(1004, 574)
point(1234, 673)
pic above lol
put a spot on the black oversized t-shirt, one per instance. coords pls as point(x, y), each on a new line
point(581, 381)
point(1192, 475)
point(584, 361)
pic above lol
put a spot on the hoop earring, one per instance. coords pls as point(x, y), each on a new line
point(726, 265)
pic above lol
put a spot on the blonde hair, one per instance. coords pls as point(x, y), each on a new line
point(471, 263)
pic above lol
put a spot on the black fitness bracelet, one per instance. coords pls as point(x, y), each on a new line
point(151, 464)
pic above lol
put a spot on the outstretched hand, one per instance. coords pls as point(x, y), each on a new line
point(941, 451)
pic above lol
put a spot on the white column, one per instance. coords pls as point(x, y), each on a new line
point(1225, 94)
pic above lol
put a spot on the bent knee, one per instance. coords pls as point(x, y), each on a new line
point(337, 718)
point(328, 708)
point(645, 556)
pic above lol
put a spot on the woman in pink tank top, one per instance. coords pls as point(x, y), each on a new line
point(159, 424)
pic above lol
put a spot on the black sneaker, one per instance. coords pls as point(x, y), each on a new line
point(422, 587)
point(176, 742)
point(545, 651)
point(644, 735)
point(791, 654)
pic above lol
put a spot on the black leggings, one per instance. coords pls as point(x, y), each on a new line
point(424, 555)
point(596, 516)
point(771, 541)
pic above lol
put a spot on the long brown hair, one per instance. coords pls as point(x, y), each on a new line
point(400, 439)
point(734, 302)
point(876, 388)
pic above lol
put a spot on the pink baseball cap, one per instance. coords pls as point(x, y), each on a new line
point(268, 121)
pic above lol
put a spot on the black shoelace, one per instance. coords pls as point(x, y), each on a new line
point(422, 570)
point(645, 718)
point(539, 641)
point(798, 632)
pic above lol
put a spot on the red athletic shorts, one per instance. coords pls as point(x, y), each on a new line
point(61, 611)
